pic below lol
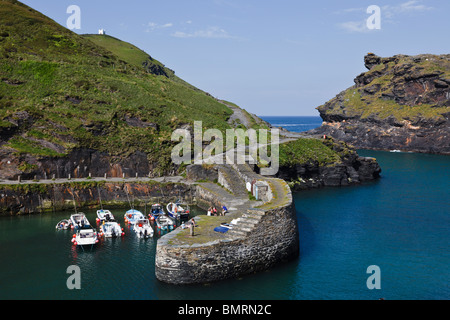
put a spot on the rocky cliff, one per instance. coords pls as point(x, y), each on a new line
point(400, 103)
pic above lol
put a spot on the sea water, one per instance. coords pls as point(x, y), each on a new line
point(294, 124)
point(399, 223)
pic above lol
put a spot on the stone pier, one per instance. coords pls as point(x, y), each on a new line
point(266, 232)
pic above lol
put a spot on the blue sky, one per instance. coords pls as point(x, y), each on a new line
point(283, 57)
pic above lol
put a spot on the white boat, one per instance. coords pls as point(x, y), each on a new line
point(64, 224)
point(104, 215)
point(165, 223)
point(176, 211)
point(79, 220)
point(143, 228)
point(85, 236)
point(111, 229)
point(132, 216)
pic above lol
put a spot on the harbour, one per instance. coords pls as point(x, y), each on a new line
point(404, 232)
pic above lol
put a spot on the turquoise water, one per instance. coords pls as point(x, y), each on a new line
point(400, 223)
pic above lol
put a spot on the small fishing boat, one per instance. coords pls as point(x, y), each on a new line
point(104, 215)
point(64, 224)
point(156, 211)
point(79, 220)
point(85, 236)
point(165, 223)
point(143, 228)
point(177, 211)
point(111, 229)
point(132, 216)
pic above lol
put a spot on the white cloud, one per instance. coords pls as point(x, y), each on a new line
point(151, 26)
point(209, 33)
point(413, 6)
point(354, 26)
point(405, 7)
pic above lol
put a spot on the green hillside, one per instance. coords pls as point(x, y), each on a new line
point(60, 91)
point(136, 57)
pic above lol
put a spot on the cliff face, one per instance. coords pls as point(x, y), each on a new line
point(401, 103)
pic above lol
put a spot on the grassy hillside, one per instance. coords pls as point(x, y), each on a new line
point(60, 91)
point(136, 57)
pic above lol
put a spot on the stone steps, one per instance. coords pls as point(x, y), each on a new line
point(248, 221)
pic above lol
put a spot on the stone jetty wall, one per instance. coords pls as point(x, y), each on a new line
point(262, 238)
point(37, 198)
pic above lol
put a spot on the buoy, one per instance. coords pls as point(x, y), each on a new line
point(123, 233)
point(74, 236)
point(75, 243)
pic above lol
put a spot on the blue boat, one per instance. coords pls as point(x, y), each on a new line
point(132, 216)
point(156, 211)
point(176, 211)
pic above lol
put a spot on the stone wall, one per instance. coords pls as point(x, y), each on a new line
point(205, 198)
point(37, 198)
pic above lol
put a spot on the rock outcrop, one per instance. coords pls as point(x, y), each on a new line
point(348, 169)
point(401, 103)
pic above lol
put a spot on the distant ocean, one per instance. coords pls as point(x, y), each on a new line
point(294, 124)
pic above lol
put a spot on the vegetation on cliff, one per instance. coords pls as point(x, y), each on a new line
point(306, 150)
point(401, 103)
point(60, 91)
point(403, 87)
point(311, 163)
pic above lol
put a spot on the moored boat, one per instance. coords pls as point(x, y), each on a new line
point(85, 236)
point(132, 216)
point(111, 229)
point(165, 223)
point(177, 211)
point(79, 221)
point(104, 215)
point(143, 228)
point(64, 224)
point(156, 211)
